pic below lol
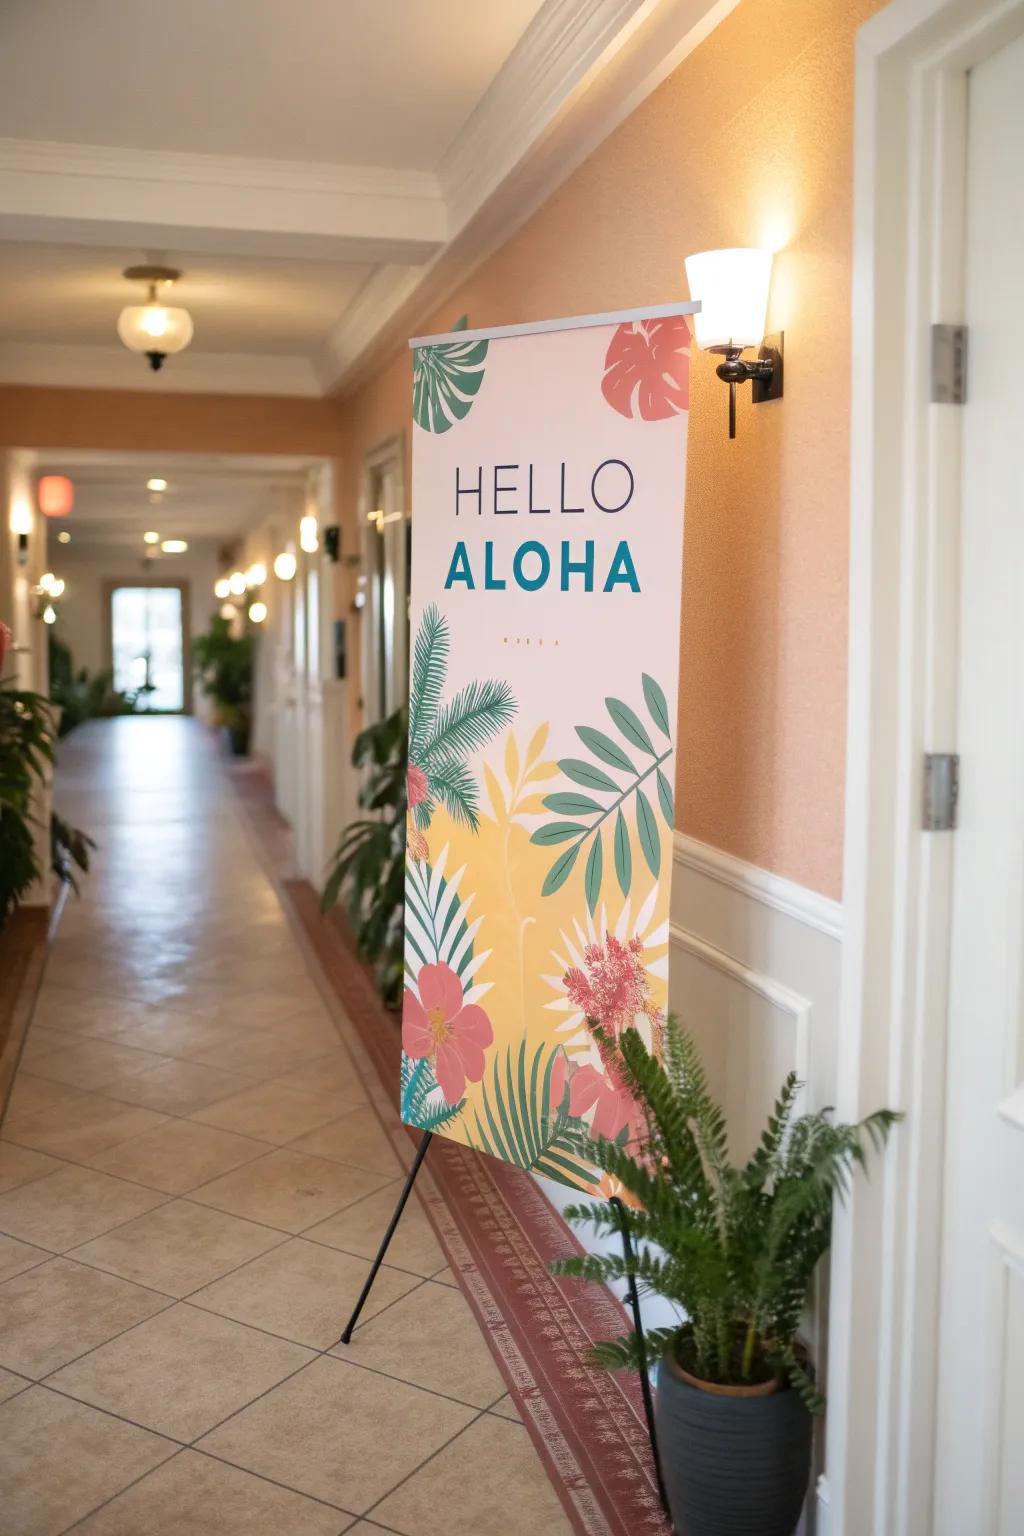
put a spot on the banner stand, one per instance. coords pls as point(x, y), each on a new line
point(634, 1300)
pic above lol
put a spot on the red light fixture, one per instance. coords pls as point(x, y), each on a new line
point(55, 495)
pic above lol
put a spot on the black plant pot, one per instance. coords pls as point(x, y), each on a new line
point(733, 1465)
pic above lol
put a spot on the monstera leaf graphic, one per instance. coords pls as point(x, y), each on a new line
point(445, 380)
point(647, 368)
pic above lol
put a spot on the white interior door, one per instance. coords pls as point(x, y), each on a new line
point(980, 1424)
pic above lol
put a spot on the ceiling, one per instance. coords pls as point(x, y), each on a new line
point(210, 498)
point(324, 172)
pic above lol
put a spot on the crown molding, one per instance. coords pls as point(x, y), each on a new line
point(64, 192)
point(380, 297)
point(235, 373)
point(508, 160)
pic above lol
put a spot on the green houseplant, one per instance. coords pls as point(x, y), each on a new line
point(84, 695)
point(734, 1248)
point(223, 664)
point(368, 865)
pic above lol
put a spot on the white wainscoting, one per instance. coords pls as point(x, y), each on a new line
point(755, 977)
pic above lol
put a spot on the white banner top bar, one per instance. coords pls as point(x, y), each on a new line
point(570, 323)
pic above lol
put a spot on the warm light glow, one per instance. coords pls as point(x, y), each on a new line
point(49, 614)
point(155, 328)
point(236, 583)
point(257, 612)
point(285, 565)
point(309, 535)
point(21, 518)
point(228, 611)
point(52, 585)
point(222, 588)
point(156, 484)
point(732, 287)
point(63, 537)
point(256, 575)
point(55, 495)
point(174, 546)
point(151, 537)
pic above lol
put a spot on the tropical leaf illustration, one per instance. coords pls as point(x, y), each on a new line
point(422, 1102)
point(582, 817)
point(438, 927)
point(647, 368)
point(443, 734)
point(524, 1117)
point(446, 379)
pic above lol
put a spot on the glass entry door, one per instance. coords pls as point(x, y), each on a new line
point(148, 645)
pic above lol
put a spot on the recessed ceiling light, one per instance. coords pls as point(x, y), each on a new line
point(151, 537)
point(156, 484)
point(174, 546)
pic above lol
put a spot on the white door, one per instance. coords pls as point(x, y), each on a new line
point(979, 1481)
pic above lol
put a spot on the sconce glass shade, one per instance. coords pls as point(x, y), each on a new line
point(236, 583)
point(155, 327)
point(309, 535)
point(732, 287)
point(55, 495)
point(256, 575)
point(222, 588)
point(285, 565)
point(257, 612)
point(21, 519)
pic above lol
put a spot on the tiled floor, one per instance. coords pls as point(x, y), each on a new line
point(191, 1185)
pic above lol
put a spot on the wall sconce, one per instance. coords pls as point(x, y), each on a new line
point(732, 287)
point(236, 583)
point(285, 565)
point(222, 588)
point(309, 536)
point(256, 575)
point(21, 524)
point(332, 542)
point(257, 612)
point(46, 592)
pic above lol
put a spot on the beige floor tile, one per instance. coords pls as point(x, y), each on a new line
point(178, 1087)
point(15, 1258)
point(431, 1339)
point(61, 1309)
point(288, 1189)
point(271, 1112)
point(446, 1276)
point(193, 1495)
point(94, 1064)
point(83, 1012)
point(359, 1229)
point(60, 1459)
point(505, 1408)
point(181, 1035)
point(267, 1007)
point(179, 1247)
point(302, 1292)
point(261, 1053)
point(181, 1372)
point(71, 1206)
point(488, 1479)
point(334, 1072)
point(178, 1156)
point(31, 1095)
point(20, 1165)
point(339, 1433)
point(9, 1385)
point(357, 1138)
point(86, 1125)
point(41, 1042)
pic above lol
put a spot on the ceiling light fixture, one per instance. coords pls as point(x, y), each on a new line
point(156, 484)
point(156, 329)
point(55, 495)
point(174, 546)
point(285, 565)
point(63, 537)
point(151, 537)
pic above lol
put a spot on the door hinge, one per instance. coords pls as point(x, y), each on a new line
point(941, 791)
point(949, 364)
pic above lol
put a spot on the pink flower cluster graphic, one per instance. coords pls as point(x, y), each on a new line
point(611, 992)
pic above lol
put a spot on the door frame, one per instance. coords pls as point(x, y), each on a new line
point(386, 460)
point(110, 586)
point(909, 207)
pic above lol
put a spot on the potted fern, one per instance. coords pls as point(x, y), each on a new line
point(734, 1249)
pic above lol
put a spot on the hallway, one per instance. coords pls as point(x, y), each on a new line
point(191, 1184)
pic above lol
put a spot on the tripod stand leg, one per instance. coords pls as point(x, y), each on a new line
point(645, 1380)
point(421, 1153)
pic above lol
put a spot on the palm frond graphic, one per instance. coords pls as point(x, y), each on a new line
point(443, 734)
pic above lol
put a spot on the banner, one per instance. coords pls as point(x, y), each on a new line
point(549, 465)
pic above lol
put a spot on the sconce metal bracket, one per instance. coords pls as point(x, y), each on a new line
point(768, 386)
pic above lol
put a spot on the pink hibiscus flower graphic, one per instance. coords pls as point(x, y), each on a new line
point(441, 1025)
point(416, 781)
point(647, 368)
point(615, 1108)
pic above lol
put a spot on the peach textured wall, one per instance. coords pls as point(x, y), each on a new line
point(747, 143)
